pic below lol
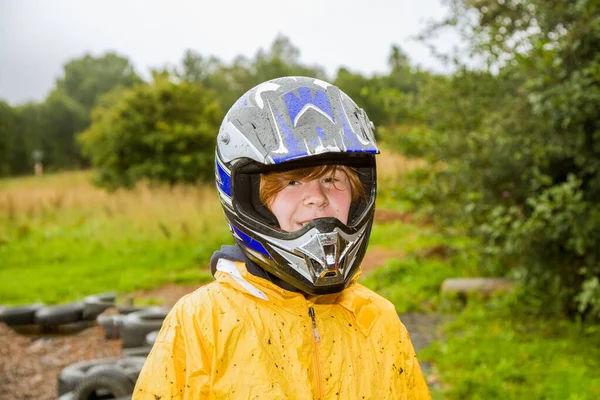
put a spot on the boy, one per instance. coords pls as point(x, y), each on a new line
point(286, 318)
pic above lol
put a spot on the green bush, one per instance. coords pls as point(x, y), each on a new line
point(162, 132)
point(521, 146)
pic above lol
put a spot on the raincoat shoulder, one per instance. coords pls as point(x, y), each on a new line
point(243, 337)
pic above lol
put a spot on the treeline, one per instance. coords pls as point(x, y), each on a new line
point(516, 145)
point(48, 130)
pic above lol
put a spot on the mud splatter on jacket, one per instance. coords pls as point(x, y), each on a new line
point(243, 337)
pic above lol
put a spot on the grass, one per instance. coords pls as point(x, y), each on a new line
point(491, 352)
point(412, 283)
point(61, 238)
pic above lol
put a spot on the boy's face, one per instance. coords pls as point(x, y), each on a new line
point(302, 201)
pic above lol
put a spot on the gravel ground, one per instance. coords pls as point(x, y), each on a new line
point(29, 366)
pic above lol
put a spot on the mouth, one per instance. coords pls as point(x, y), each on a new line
point(301, 224)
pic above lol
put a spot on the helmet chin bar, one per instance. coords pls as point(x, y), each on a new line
point(322, 252)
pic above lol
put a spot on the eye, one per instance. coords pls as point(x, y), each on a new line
point(293, 183)
point(330, 179)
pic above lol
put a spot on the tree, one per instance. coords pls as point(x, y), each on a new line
point(87, 78)
point(387, 99)
point(526, 168)
point(63, 119)
point(27, 136)
point(230, 82)
point(7, 132)
point(162, 131)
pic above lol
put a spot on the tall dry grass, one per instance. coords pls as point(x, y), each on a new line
point(57, 198)
point(184, 208)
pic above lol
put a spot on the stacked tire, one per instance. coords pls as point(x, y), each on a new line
point(137, 325)
point(97, 379)
point(65, 318)
point(19, 315)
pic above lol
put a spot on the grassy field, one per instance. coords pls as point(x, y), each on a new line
point(61, 238)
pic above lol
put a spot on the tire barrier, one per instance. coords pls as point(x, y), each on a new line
point(137, 351)
point(131, 366)
point(105, 382)
point(140, 323)
point(19, 315)
point(71, 376)
point(69, 396)
point(66, 396)
point(151, 338)
point(59, 315)
point(127, 309)
point(96, 304)
point(112, 325)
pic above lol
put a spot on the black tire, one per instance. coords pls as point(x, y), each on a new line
point(106, 381)
point(136, 351)
point(111, 324)
point(125, 310)
point(95, 305)
point(66, 396)
point(151, 338)
point(131, 366)
point(138, 324)
point(70, 376)
point(58, 315)
point(20, 315)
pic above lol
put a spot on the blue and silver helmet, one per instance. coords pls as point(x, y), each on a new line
point(284, 124)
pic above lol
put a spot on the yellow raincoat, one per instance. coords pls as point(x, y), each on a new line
point(243, 337)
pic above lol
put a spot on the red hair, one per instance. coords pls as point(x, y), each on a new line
point(274, 182)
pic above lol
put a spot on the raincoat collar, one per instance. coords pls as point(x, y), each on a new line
point(356, 299)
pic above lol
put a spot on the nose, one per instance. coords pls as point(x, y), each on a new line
point(315, 195)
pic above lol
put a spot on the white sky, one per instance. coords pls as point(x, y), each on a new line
point(38, 36)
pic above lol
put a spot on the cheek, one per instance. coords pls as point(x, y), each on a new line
point(342, 206)
point(281, 207)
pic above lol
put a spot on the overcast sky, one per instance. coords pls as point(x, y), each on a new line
point(38, 36)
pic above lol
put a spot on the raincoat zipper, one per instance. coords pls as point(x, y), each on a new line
point(316, 359)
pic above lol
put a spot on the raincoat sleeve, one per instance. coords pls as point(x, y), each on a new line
point(165, 374)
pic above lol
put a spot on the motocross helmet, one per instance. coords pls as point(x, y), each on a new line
point(289, 123)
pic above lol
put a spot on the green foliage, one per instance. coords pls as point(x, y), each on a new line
point(87, 78)
point(387, 99)
point(412, 140)
point(229, 82)
point(522, 145)
point(28, 135)
point(50, 127)
point(7, 138)
point(63, 119)
point(163, 132)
